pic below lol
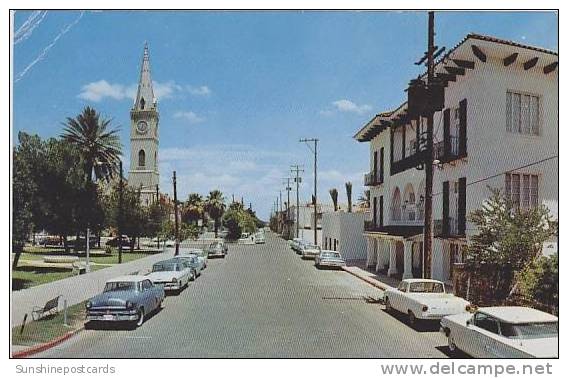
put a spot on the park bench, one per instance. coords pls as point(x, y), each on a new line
point(50, 308)
point(79, 267)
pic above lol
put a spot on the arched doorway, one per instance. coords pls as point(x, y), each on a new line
point(395, 205)
point(409, 204)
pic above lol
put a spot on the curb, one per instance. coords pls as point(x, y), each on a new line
point(48, 345)
point(370, 281)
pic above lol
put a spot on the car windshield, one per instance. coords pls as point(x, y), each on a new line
point(426, 287)
point(119, 286)
point(529, 330)
point(165, 267)
point(331, 255)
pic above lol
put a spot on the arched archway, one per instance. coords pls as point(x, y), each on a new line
point(395, 205)
point(141, 158)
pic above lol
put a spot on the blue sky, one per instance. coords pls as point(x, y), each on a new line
point(236, 90)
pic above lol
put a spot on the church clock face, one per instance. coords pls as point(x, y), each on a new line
point(142, 127)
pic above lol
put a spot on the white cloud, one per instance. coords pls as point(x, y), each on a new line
point(99, 90)
point(202, 90)
point(191, 117)
point(349, 106)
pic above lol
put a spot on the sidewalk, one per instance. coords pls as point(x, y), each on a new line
point(77, 288)
point(358, 269)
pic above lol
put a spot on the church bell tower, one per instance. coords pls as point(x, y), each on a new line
point(144, 141)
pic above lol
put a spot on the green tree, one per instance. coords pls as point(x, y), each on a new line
point(507, 241)
point(215, 207)
point(540, 281)
point(193, 209)
point(157, 215)
point(135, 216)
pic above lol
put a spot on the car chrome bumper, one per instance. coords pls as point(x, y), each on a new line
point(112, 317)
point(333, 264)
point(169, 285)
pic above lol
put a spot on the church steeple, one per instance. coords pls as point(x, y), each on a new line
point(145, 95)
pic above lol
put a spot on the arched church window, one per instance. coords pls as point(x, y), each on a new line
point(142, 103)
point(141, 158)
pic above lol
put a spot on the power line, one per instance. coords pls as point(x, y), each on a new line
point(505, 172)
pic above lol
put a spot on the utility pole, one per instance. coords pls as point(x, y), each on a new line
point(176, 215)
point(288, 189)
point(296, 169)
point(315, 151)
point(119, 220)
point(427, 254)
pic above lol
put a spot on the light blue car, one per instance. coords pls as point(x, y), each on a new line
point(125, 299)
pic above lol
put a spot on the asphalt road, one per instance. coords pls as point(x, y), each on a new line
point(264, 301)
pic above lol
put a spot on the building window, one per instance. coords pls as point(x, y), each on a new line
point(522, 190)
point(142, 103)
point(523, 113)
point(141, 158)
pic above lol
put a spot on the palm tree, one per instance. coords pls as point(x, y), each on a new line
point(349, 190)
point(215, 207)
point(100, 148)
point(193, 209)
point(333, 193)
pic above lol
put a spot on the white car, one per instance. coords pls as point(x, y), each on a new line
point(309, 250)
point(296, 244)
point(423, 299)
point(259, 238)
point(503, 332)
point(199, 253)
point(172, 275)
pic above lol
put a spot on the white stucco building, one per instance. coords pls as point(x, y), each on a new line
point(498, 128)
point(341, 231)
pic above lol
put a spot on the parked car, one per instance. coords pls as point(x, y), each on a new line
point(170, 243)
point(297, 245)
point(199, 253)
point(126, 298)
point(188, 262)
point(503, 332)
point(217, 249)
point(328, 258)
point(49, 240)
point(172, 275)
point(423, 299)
point(194, 262)
point(113, 242)
point(293, 243)
point(309, 250)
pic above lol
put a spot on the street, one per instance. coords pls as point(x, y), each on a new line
point(264, 301)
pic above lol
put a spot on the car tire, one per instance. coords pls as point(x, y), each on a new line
point(388, 306)
point(452, 344)
point(141, 319)
point(412, 319)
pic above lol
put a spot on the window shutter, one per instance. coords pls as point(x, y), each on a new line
point(445, 207)
point(463, 128)
point(447, 146)
point(381, 211)
point(382, 165)
point(391, 147)
point(403, 141)
point(461, 205)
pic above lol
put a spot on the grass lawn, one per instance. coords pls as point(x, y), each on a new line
point(27, 275)
point(41, 331)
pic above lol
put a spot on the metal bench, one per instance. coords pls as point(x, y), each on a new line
point(51, 307)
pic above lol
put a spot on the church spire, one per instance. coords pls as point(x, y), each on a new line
point(145, 94)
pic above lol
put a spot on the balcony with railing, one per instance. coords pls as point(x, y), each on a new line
point(373, 178)
point(452, 152)
point(452, 228)
point(407, 215)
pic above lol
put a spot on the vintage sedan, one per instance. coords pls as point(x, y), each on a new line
point(328, 258)
point(217, 249)
point(309, 251)
point(503, 332)
point(171, 274)
point(125, 299)
point(295, 244)
point(423, 299)
point(259, 238)
point(197, 252)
